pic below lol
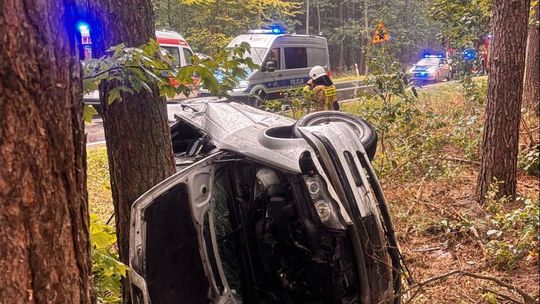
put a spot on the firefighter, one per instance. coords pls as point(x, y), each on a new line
point(321, 90)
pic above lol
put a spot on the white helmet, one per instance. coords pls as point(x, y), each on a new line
point(317, 72)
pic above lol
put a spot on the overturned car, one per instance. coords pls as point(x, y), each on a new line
point(264, 209)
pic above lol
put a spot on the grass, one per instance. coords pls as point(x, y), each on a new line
point(347, 77)
point(99, 187)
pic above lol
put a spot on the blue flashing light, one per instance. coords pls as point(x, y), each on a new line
point(83, 28)
point(274, 29)
point(469, 54)
point(277, 29)
point(432, 56)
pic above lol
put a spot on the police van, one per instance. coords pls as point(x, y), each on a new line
point(284, 60)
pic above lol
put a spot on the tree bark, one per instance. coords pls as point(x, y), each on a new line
point(501, 132)
point(531, 98)
point(368, 37)
point(136, 128)
point(44, 235)
point(341, 65)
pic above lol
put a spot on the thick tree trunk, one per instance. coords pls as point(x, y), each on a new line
point(501, 132)
point(44, 242)
point(531, 85)
point(136, 128)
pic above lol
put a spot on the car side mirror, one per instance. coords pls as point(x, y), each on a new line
point(270, 66)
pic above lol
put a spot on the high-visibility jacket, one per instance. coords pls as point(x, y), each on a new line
point(324, 97)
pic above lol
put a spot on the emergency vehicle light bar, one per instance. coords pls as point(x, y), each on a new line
point(273, 30)
point(433, 56)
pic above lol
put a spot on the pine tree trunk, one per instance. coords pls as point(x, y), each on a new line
point(342, 42)
point(501, 131)
point(531, 86)
point(136, 128)
point(368, 36)
point(44, 241)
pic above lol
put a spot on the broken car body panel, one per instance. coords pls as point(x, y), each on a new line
point(253, 189)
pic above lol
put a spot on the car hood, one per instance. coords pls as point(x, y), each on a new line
point(243, 129)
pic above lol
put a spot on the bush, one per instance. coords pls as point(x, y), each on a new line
point(512, 235)
point(529, 160)
point(107, 269)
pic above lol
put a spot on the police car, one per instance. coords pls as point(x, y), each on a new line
point(284, 59)
point(431, 68)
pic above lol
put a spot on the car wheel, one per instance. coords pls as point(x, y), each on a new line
point(363, 129)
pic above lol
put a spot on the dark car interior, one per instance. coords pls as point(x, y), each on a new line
point(272, 246)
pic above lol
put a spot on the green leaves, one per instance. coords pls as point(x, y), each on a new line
point(88, 113)
point(106, 267)
point(464, 22)
point(128, 70)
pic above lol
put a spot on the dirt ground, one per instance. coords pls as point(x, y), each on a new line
point(419, 209)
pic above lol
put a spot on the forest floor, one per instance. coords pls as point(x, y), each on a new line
point(428, 171)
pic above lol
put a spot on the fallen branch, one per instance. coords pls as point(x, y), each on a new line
point(501, 295)
point(465, 161)
point(527, 299)
point(427, 249)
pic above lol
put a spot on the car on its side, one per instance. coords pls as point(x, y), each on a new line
point(264, 209)
point(431, 68)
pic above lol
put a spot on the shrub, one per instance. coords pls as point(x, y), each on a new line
point(107, 269)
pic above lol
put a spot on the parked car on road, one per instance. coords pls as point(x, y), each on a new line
point(264, 209)
point(431, 68)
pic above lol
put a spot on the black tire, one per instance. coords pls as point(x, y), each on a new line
point(364, 130)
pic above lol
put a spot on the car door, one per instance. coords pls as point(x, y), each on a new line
point(173, 254)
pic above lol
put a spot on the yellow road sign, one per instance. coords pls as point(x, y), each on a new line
point(381, 34)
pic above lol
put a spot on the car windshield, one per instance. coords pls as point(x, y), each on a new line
point(257, 55)
point(428, 61)
point(174, 52)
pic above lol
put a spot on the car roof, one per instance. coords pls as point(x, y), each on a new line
point(168, 34)
point(267, 40)
point(240, 128)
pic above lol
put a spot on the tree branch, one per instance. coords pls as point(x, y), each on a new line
point(501, 295)
point(526, 298)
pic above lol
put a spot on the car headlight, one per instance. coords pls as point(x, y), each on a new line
point(432, 70)
point(411, 70)
point(322, 202)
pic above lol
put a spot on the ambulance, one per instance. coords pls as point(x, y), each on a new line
point(170, 41)
point(176, 45)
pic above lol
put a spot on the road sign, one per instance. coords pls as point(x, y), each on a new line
point(381, 34)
